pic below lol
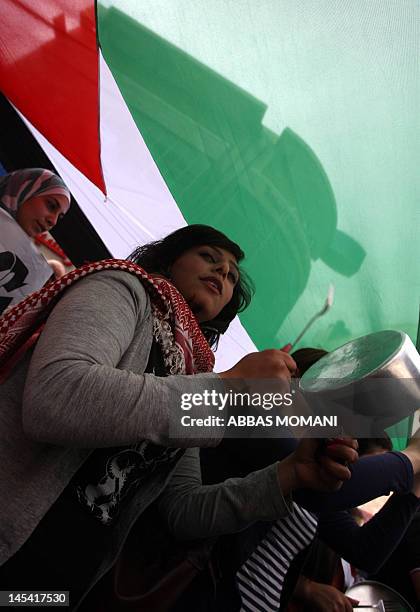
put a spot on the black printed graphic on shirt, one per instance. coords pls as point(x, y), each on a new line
point(13, 273)
point(106, 479)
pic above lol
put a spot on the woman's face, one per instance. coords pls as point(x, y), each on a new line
point(41, 213)
point(206, 276)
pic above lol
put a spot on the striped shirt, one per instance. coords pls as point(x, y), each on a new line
point(260, 579)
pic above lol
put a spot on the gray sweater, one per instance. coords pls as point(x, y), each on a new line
point(83, 388)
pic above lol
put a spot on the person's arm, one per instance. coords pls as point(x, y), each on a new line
point(77, 392)
point(371, 477)
point(192, 510)
point(368, 547)
point(322, 597)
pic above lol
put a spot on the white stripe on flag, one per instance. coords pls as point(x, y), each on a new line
point(139, 207)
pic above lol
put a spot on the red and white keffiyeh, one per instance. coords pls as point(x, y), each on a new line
point(184, 347)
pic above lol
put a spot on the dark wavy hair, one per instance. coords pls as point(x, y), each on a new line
point(157, 258)
point(306, 357)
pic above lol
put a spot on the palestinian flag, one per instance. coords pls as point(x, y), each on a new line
point(293, 127)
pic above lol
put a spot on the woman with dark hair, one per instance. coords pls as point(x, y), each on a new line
point(158, 257)
point(93, 367)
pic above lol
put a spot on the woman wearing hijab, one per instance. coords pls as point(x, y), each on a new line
point(31, 202)
point(35, 197)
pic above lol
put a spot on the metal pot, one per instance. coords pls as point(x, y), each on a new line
point(373, 381)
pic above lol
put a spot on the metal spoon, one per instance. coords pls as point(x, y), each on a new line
point(328, 303)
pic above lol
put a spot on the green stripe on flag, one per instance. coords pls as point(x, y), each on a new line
point(302, 145)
